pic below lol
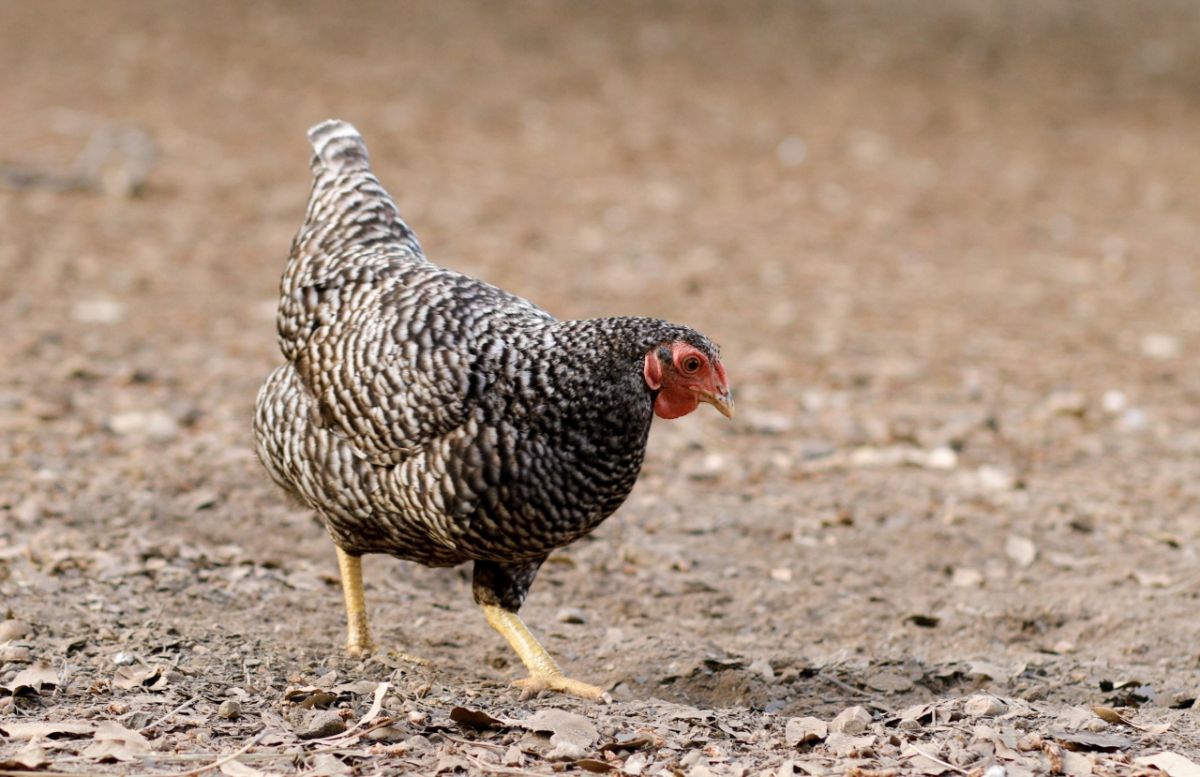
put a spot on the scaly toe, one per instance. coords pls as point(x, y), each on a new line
point(535, 685)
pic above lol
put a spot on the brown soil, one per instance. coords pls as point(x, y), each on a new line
point(949, 251)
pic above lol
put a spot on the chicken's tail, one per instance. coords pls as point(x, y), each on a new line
point(348, 206)
point(337, 147)
point(351, 229)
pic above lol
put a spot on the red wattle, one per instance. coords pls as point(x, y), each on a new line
point(673, 404)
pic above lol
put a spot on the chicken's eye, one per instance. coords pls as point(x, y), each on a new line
point(690, 364)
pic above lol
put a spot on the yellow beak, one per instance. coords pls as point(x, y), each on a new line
point(722, 402)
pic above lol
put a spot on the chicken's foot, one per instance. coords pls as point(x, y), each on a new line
point(544, 674)
point(358, 636)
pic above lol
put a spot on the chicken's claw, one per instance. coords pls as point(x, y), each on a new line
point(536, 685)
point(544, 674)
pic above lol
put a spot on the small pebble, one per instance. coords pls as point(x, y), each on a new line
point(852, 721)
point(1065, 402)
point(1021, 550)
point(965, 577)
point(762, 668)
point(1160, 346)
point(156, 425)
point(13, 629)
point(994, 479)
point(97, 311)
point(325, 724)
point(791, 151)
point(1114, 401)
point(230, 709)
point(571, 615)
point(942, 457)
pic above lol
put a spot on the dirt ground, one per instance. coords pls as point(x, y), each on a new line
point(949, 251)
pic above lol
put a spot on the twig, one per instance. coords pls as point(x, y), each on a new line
point(471, 743)
point(170, 714)
point(937, 761)
point(223, 760)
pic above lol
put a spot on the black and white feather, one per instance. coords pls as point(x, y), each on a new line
point(434, 417)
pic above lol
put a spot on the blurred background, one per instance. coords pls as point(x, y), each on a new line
point(949, 250)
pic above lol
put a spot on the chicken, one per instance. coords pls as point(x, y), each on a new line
point(436, 418)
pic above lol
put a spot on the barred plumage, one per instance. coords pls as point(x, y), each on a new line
point(434, 417)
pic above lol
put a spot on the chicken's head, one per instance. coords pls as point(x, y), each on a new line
point(685, 375)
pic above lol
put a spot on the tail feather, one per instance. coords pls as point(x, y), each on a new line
point(349, 211)
point(352, 232)
point(338, 147)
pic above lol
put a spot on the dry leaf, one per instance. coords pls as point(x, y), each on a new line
point(327, 765)
point(635, 743)
point(13, 629)
point(448, 762)
point(317, 700)
point(635, 764)
point(570, 734)
point(889, 682)
point(801, 731)
point(922, 759)
point(984, 669)
point(592, 765)
point(236, 768)
point(304, 697)
point(1109, 715)
point(846, 746)
point(358, 687)
point(464, 716)
point(1076, 764)
point(1079, 740)
point(114, 742)
point(47, 730)
point(128, 677)
point(34, 677)
point(29, 757)
point(1174, 764)
point(984, 704)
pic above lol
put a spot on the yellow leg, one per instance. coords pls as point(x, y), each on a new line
point(544, 674)
point(358, 636)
